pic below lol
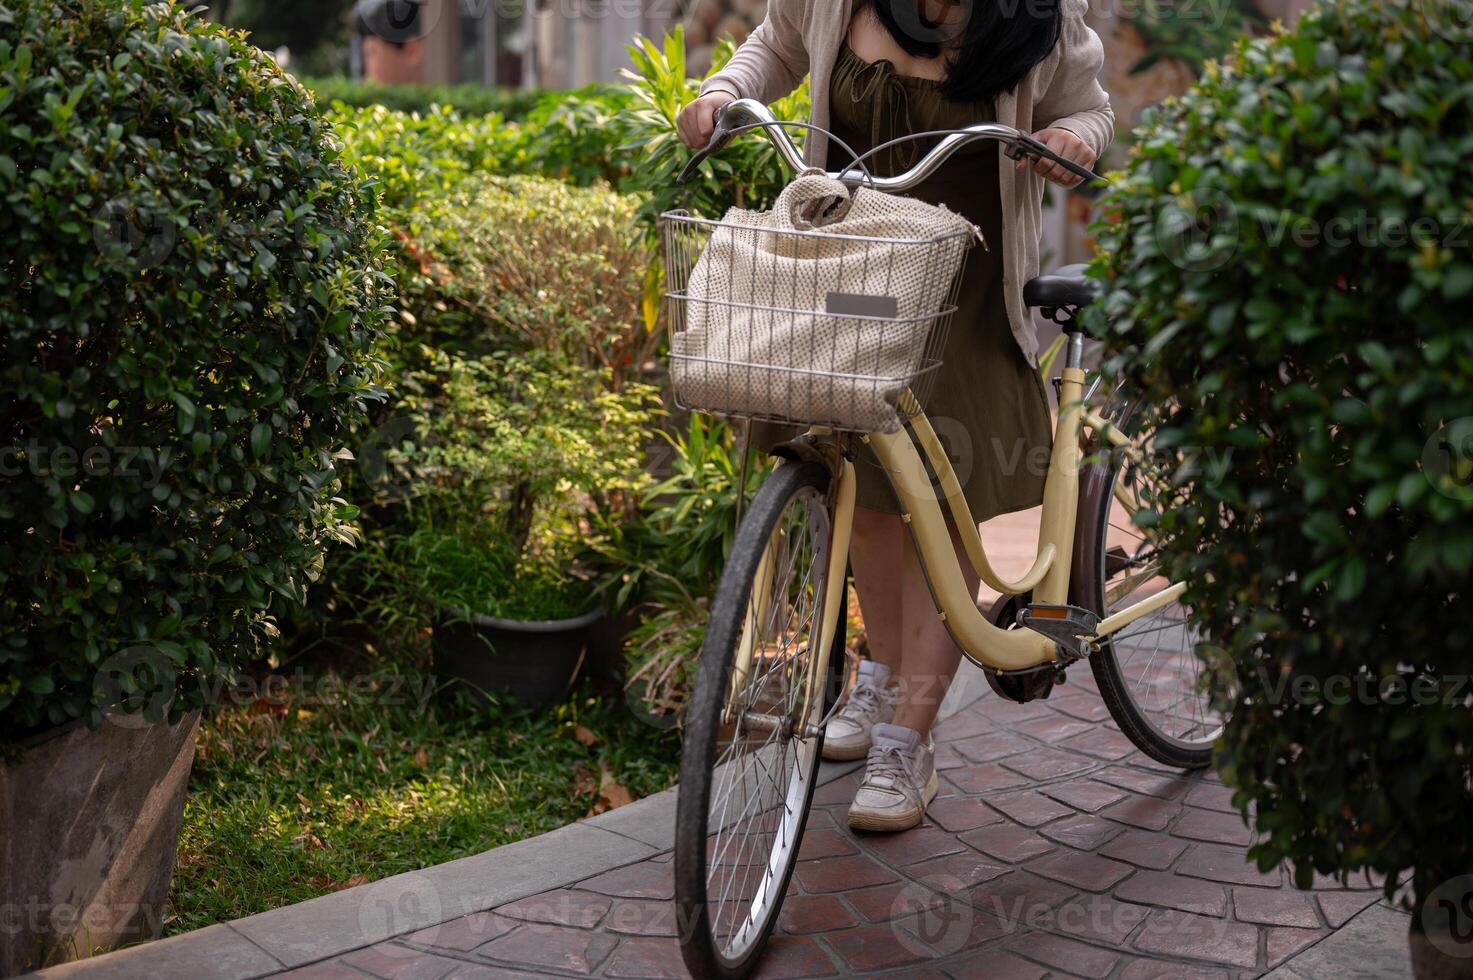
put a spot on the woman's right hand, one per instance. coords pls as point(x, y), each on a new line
point(697, 121)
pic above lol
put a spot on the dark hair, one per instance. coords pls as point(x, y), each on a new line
point(992, 50)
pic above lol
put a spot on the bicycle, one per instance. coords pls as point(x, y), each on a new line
point(770, 671)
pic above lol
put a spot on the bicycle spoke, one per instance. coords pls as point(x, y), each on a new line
point(766, 759)
point(1160, 672)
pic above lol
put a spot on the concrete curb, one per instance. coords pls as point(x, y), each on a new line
point(1371, 946)
point(297, 935)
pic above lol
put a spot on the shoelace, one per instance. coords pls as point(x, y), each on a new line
point(864, 699)
point(887, 766)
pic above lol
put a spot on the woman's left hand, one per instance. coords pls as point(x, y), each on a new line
point(1066, 145)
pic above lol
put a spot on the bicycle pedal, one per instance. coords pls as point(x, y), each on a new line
point(1068, 626)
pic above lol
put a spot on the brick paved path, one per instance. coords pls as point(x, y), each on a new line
point(1054, 849)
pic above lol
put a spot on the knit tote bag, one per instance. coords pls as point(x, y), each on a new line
point(818, 311)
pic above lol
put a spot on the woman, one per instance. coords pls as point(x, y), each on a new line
point(881, 69)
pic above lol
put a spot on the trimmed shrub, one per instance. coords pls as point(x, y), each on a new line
point(471, 99)
point(419, 158)
point(1289, 271)
point(578, 136)
point(515, 461)
point(189, 296)
point(539, 264)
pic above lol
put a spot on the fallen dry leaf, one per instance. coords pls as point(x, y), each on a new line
point(615, 794)
point(585, 781)
point(611, 792)
point(422, 757)
point(585, 736)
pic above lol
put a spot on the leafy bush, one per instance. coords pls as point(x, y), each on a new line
point(471, 99)
point(513, 458)
point(748, 173)
point(666, 559)
point(1184, 33)
point(1268, 279)
point(316, 31)
point(543, 265)
point(418, 158)
point(577, 136)
point(186, 319)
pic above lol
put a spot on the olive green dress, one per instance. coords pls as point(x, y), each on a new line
point(988, 403)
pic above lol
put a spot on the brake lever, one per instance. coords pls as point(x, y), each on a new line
point(1025, 146)
point(721, 135)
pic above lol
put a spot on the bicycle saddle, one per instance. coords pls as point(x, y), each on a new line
point(1068, 287)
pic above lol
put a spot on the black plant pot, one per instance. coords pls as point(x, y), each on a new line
point(532, 663)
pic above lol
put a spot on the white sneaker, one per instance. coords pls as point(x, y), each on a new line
point(899, 781)
point(870, 703)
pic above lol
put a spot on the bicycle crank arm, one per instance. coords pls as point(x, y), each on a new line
point(1071, 628)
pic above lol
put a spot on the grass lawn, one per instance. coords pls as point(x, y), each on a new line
point(330, 785)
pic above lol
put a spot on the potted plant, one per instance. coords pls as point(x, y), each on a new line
point(1289, 276)
point(187, 314)
point(518, 453)
point(507, 624)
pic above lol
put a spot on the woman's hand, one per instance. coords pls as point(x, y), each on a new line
point(1066, 145)
point(697, 121)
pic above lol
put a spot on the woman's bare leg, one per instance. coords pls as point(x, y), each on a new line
point(902, 627)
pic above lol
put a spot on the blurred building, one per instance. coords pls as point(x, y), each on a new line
point(571, 43)
point(532, 43)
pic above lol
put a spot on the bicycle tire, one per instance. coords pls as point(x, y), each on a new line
point(703, 728)
point(1091, 578)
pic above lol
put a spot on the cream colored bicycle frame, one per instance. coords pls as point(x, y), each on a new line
point(983, 643)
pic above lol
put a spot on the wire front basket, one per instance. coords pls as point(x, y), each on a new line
point(807, 327)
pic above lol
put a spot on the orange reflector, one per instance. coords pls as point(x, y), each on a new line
point(1044, 612)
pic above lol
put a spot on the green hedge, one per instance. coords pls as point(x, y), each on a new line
point(467, 100)
point(189, 293)
point(1289, 271)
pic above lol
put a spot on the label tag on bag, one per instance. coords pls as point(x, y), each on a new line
point(859, 304)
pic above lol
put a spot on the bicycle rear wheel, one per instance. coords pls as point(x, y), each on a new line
point(752, 742)
point(1148, 673)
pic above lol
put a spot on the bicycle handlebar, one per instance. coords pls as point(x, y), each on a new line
point(744, 114)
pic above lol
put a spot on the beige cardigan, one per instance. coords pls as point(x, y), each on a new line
point(802, 37)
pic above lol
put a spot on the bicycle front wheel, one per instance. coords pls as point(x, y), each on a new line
point(752, 741)
point(1149, 673)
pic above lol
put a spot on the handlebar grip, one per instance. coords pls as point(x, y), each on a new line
point(1028, 146)
point(720, 136)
